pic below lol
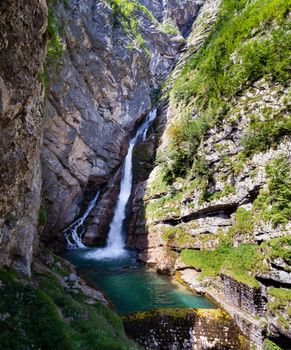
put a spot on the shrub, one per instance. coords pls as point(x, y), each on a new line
point(273, 204)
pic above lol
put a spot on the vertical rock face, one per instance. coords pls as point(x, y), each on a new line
point(101, 91)
point(185, 329)
point(22, 51)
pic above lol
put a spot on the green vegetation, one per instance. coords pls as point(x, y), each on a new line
point(55, 46)
point(185, 136)
point(274, 204)
point(169, 27)
point(269, 345)
point(125, 12)
point(282, 297)
point(263, 134)
point(176, 235)
point(42, 215)
point(239, 262)
point(41, 314)
point(161, 208)
point(249, 41)
point(278, 248)
point(243, 222)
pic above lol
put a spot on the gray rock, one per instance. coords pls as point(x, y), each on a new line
point(94, 102)
point(22, 52)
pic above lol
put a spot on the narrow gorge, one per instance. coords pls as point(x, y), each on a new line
point(145, 174)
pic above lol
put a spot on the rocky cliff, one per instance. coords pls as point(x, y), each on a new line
point(116, 56)
point(22, 51)
point(215, 208)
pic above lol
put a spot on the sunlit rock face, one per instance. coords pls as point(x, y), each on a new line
point(185, 329)
point(22, 51)
point(102, 89)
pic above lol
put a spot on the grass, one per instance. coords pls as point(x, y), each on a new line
point(266, 133)
point(274, 203)
point(243, 222)
point(249, 41)
point(162, 207)
point(41, 314)
point(278, 248)
point(238, 262)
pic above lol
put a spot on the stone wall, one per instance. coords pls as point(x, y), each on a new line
point(199, 329)
point(250, 299)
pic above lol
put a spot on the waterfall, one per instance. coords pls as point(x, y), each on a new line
point(75, 231)
point(116, 238)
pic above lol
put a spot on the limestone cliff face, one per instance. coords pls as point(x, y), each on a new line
point(212, 210)
point(93, 103)
point(22, 51)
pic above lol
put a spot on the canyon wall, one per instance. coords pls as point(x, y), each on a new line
point(215, 210)
point(22, 51)
point(111, 66)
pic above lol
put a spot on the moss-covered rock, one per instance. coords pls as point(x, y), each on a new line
point(45, 313)
point(185, 329)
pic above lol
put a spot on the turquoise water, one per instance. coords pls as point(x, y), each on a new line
point(131, 286)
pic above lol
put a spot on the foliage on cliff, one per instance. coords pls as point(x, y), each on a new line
point(249, 41)
point(55, 45)
point(125, 12)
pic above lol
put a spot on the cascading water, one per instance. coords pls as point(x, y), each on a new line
point(75, 231)
point(113, 269)
point(115, 243)
point(116, 239)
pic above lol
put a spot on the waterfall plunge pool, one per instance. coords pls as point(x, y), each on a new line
point(131, 286)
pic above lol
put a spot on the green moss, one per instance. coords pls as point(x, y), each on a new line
point(282, 322)
point(228, 189)
point(279, 299)
point(239, 262)
point(157, 186)
point(162, 207)
point(269, 345)
point(280, 293)
point(41, 314)
point(169, 27)
point(33, 318)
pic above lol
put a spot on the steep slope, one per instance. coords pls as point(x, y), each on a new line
point(217, 205)
point(117, 54)
point(22, 52)
point(55, 309)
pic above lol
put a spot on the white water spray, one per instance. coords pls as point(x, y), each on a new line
point(116, 239)
point(74, 233)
